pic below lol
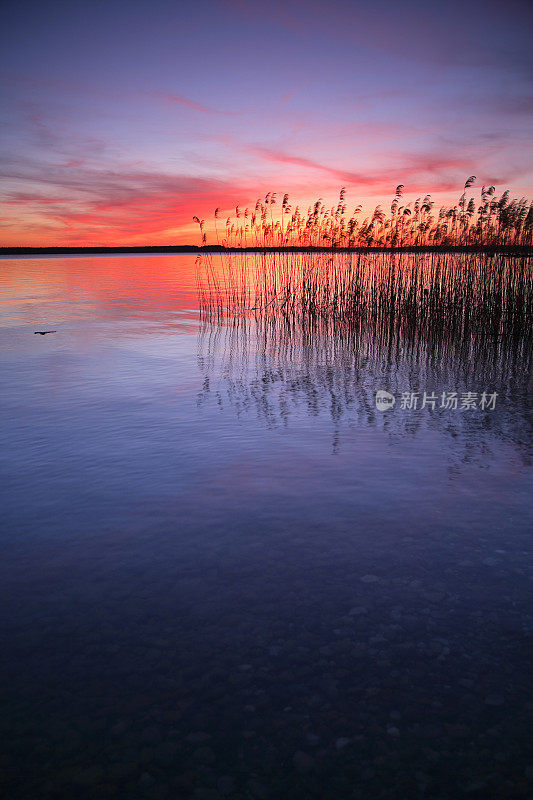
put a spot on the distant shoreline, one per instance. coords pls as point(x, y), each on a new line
point(45, 251)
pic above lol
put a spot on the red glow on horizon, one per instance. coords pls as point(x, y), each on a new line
point(164, 217)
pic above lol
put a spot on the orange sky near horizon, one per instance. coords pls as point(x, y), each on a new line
point(125, 120)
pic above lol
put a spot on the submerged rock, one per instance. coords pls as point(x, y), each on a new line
point(225, 785)
point(258, 789)
point(341, 742)
point(204, 755)
point(494, 700)
point(302, 761)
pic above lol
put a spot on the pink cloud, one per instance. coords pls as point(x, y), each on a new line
point(192, 104)
point(84, 206)
point(410, 167)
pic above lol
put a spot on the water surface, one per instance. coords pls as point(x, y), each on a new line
point(225, 573)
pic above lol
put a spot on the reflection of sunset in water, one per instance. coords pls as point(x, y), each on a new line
point(102, 284)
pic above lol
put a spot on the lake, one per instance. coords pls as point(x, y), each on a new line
point(226, 573)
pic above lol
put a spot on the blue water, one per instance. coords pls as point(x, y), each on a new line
point(225, 573)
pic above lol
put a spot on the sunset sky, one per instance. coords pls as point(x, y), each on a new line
point(123, 119)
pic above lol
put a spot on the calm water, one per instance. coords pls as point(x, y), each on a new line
point(224, 573)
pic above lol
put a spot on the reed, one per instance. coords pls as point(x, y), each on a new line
point(423, 293)
point(476, 220)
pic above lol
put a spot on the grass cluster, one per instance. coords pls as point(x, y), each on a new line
point(419, 291)
point(484, 221)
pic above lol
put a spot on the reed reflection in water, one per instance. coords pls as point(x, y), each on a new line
point(323, 333)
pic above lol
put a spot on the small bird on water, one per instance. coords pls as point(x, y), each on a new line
point(43, 333)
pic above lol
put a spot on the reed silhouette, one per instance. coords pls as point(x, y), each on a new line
point(482, 221)
point(274, 367)
point(321, 328)
point(467, 293)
